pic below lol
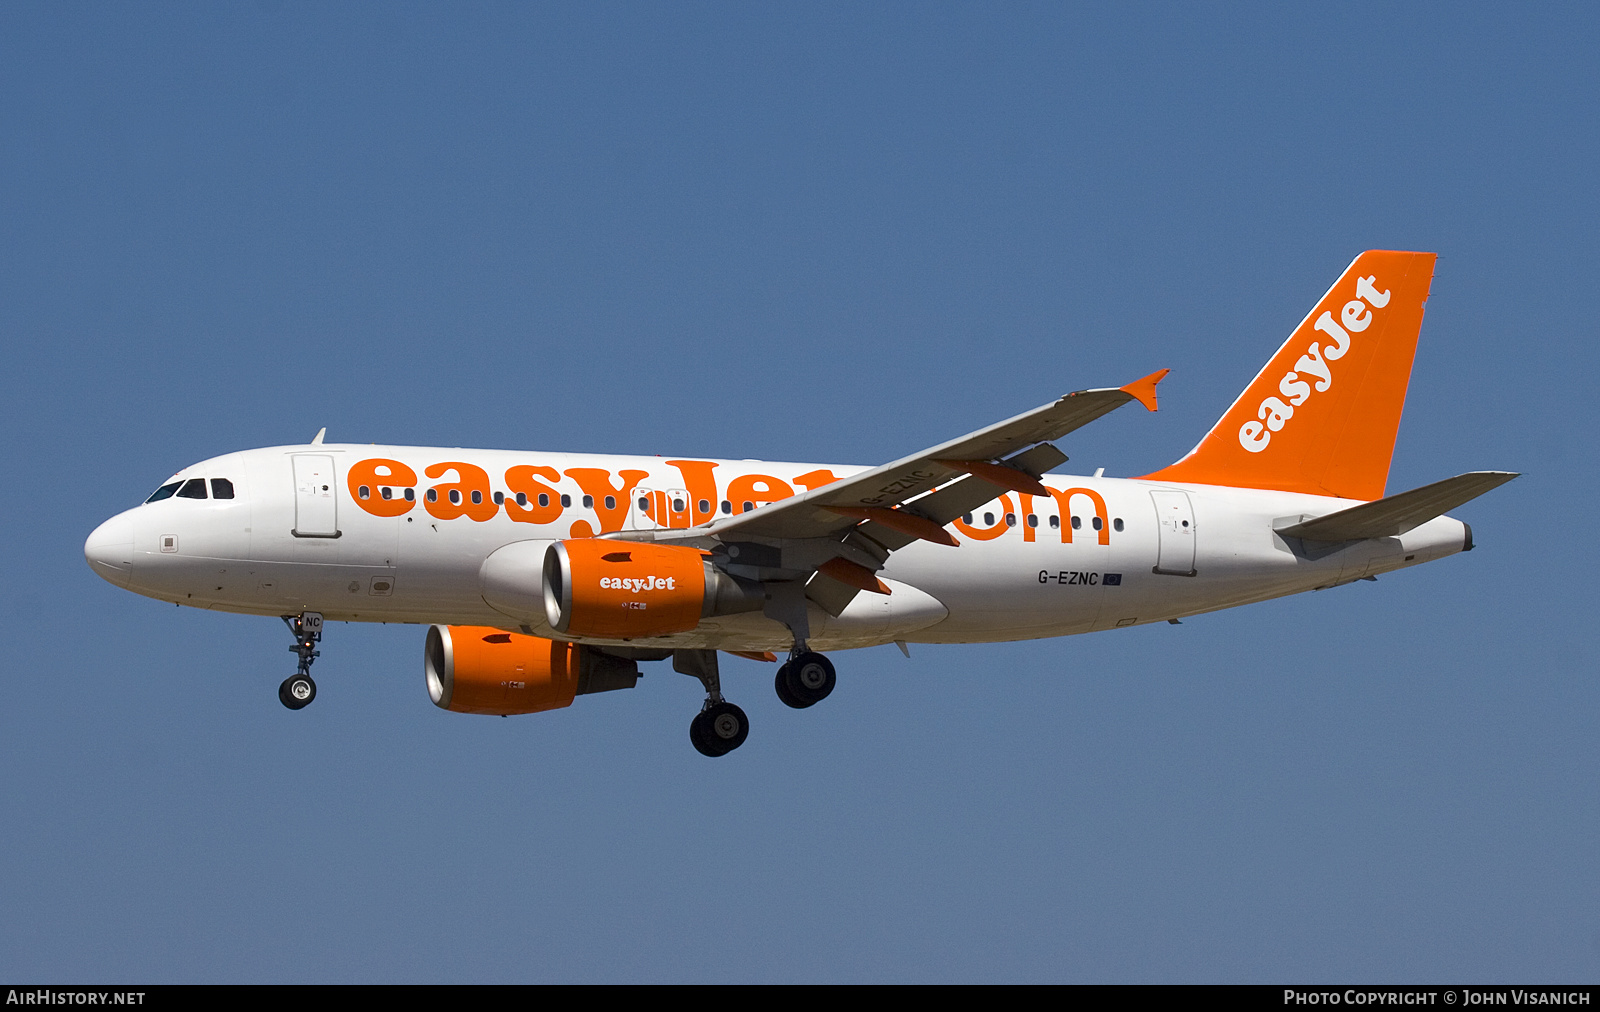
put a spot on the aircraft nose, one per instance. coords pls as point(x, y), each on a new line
point(109, 549)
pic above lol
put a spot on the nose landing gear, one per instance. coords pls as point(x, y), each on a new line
point(298, 690)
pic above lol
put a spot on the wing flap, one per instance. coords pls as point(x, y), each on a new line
point(810, 516)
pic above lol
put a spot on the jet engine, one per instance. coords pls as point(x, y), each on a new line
point(477, 669)
point(629, 590)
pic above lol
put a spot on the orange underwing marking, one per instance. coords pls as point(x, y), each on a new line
point(988, 534)
point(596, 483)
point(701, 485)
point(1144, 390)
point(754, 655)
point(473, 479)
point(815, 479)
point(999, 475)
point(895, 520)
point(853, 575)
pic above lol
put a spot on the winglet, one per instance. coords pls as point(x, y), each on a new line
point(1144, 390)
point(317, 439)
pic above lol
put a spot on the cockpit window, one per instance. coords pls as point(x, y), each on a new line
point(221, 488)
point(194, 488)
point(164, 492)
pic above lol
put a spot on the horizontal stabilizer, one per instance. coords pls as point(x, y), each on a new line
point(1396, 514)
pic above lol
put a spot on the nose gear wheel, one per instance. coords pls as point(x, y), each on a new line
point(297, 691)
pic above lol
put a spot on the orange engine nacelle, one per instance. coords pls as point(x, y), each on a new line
point(627, 590)
point(477, 669)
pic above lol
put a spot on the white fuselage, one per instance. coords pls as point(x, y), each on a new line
point(289, 541)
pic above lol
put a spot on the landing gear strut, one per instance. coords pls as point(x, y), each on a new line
point(298, 690)
point(808, 676)
point(719, 727)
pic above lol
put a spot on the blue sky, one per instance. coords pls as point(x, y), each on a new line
point(810, 232)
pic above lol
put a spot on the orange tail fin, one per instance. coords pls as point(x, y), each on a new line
point(1322, 416)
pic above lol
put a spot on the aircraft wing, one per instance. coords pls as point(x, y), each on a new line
point(870, 499)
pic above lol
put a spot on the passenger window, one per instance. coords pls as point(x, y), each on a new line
point(433, 495)
point(411, 495)
point(1055, 523)
point(1116, 524)
point(705, 505)
point(363, 492)
point(1097, 523)
point(164, 492)
point(221, 488)
point(1033, 520)
point(1011, 520)
point(677, 505)
point(748, 506)
point(194, 488)
point(499, 497)
point(727, 507)
point(522, 498)
point(386, 492)
point(966, 518)
point(1077, 523)
point(988, 520)
point(477, 497)
point(588, 502)
point(455, 497)
point(611, 502)
point(644, 503)
point(566, 500)
point(544, 499)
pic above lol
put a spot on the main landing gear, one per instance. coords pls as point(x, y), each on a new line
point(719, 727)
point(298, 690)
point(805, 680)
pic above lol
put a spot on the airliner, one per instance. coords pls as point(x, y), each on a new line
point(545, 576)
